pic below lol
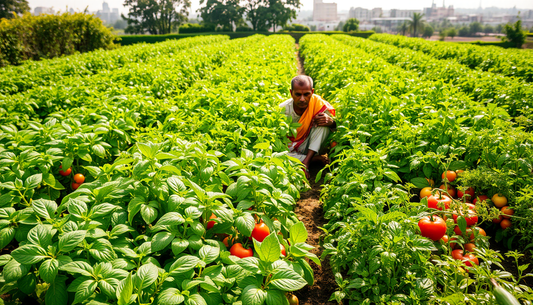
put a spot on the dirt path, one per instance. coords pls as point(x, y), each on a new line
point(309, 211)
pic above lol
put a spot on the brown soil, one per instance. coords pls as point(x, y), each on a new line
point(301, 69)
point(309, 211)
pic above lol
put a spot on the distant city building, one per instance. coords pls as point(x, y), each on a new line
point(435, 13)
point(324, 12)
point(42, 10)
point(363, 14)
point(106, 15)
point(395, 13)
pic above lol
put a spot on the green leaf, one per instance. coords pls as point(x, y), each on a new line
point(14, 271)
point(29, 254)
point(80, 267)
point(125, 290)
point(270, 248)
point(184, 264)
point(209, 254)
point(33, 181)
point(48, 270)
point(146, 276)
point(56, 293)
point(85, 290)
point(44, 208)
point(245, 224)
point(195, 299)
point(461, 222)
point(148, 213)
point(297, 233)
point(393, 176)
point(250, 264)
point(420, 182)
point(264, 146)
point(99, 150)
point(179, 245)
point(70, 240)
point(253, 295)
point(170, 219)
point(27, 283)
point(161, 240)
point(170, 296)
point(67, 163)
point(176, 184)
point(6, 236)
point(287, 280)
point(40, 235)
point(276, 297)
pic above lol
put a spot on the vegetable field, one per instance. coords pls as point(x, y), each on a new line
point(159, 174)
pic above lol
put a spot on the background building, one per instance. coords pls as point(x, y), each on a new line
point(42, 10)
point(107, 15)
point(324, 12)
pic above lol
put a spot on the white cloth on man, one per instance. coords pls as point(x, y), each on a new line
point(316, 137)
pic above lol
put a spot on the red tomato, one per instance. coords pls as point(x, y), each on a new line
point(333, 144)
point(79, 178)
point(457, 254)
point(453, 242)
point(497, 220)
point(470, 258)
point(471, 218)
point(507, 211)
point(433, 229)
point(260, 231)
point(283, 250)
point(451, 190)
point(439, 201)
point(469, 192)
point(457, 231)
point(481, 198)
point(211, 224)
point(450, 175)
point(241, 252)
point(506, 223)
point(470, 247)
point(75, 186)
point(64, 173)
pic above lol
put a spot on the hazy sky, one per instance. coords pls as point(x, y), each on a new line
point(307, 4)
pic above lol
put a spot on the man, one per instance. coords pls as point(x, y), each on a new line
point(315, 116)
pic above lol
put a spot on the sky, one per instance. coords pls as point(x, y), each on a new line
point(95, 5)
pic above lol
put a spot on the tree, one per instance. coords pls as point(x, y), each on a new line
point(442, 35)
point(120, 24)
point(155, 16)
point(428, 31)
point(256, 11)
point(452, 32)
point(499, 28)
point(475, 27)
point(340, 26)
point(515, 34)
point(488, 29)
point(279, 12)
point(8, 7)
point(464, 32)
point(351, 24)
point(416, 23)
point(221, 12)
point(403, 28)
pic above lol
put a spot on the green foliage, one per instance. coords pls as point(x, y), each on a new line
point(155, 17)
point(10, 8)
point(515, 34)
point(416, 23)
point(428, 31)
point(195, 28)
point(223, 13)
point(451, 32)
point(351, 24)
point(296, 27)
point(474, 28)
point(47, 36)
point(464, 31)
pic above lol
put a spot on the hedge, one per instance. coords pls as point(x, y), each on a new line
point(503, 44)
point(132, 39)
point(47, 36)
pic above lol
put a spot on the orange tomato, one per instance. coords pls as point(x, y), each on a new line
point(470, 247)
point(470, 258)
point(333, 144)
point(445, 239)
point(497, 220)
point(451, 190)
point(450, 175)
point(431, 182)
point(507, 211)
point(425, 192)
point(64, 173)
point(79, 178)
point(459, 172)
point(469, 191)
point(75, 186)
point(506, 223)
point(499, 201)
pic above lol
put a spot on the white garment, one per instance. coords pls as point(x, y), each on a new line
point(316, 138)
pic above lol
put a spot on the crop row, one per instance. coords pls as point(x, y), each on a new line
point(173, 187)
point(14, 79)
point(508, 62)
point(514, 94)
point(395, 128)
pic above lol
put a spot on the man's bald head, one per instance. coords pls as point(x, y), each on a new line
point(302, 81)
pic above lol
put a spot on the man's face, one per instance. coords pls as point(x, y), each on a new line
point(301, 95)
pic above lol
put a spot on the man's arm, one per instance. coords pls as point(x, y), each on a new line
point(323, 119)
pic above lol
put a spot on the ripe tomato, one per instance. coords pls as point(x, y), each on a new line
point(497, 220)
point(451, 190)
point(64, 173)
point(481, 198)
point(260, 231)
point(499, 201)
point(507, 211)
point(471, 218)
point(458, 231)
point(450, 175)
point(459, 172)
point(293, 300)
point(227, 241)
point(211, 224)
point(445, 239)
point(470, 247)
point(433, 229)
point(506, 223)
point(457, 254)
point(425, 192)
point(470, 258)
point(453, 242)
point(74, 186)
point(333, 144)
point(79, 178)
point(283, 252)
point(479, 231)
point(469, 192)
point(241, 252)
point(431, 182)
point(439, 202)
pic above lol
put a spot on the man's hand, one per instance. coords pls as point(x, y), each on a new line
point(323, 119)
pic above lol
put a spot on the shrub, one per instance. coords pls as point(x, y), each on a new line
point(47, 36)
point(243, 28)
point(297, 28)
point(196, 28)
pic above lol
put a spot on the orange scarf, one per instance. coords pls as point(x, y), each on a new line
point(316, 105)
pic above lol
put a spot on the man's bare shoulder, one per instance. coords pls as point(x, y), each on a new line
point(286, 103)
